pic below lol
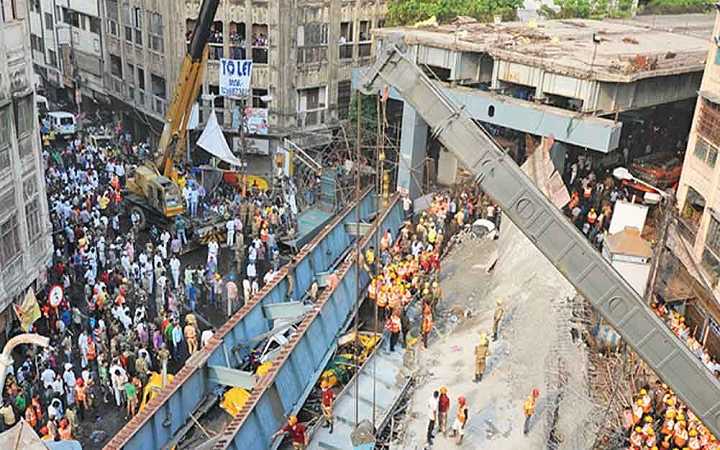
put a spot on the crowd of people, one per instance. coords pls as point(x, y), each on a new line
point(122, 302)
point(657, 419)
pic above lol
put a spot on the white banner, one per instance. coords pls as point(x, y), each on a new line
point(235, 77)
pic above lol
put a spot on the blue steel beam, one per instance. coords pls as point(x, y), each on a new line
point(168, 411)
point(295, 371)
point(569, 127)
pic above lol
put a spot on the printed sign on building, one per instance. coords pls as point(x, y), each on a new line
point(235, 77)
point(256, 121)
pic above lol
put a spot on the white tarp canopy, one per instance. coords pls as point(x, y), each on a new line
point(213, 141)
point(22, 437)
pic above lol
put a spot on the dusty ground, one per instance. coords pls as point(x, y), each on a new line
point(534, 337)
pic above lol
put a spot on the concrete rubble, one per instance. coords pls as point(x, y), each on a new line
point(534, 349)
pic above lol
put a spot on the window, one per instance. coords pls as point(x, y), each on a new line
point(116, 66)
point(712, 240)
point(138, 37)
point(705, 152)
point(312, 39)
point(5, 127)
point(346, 40)
point(9, 240)
point(49, 21)
point(36, 43)
point(137, 17)
point(52, 58)
point(257, 98)
point(35, 5)
point(32, 216)
point(71, 17)
point(129, 34)
point(155, 33)
point(365, 31)
point(157, 85)
point(111, 10)
point(344, 94)
point(260, 43)
point(24, 116)
point(113, 27)
point(141, 78)
point(311, 105)
point(94, 25)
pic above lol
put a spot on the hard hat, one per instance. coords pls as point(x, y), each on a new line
point(292, 420)
point(680, 416)
point(647, 419)
point(643, 392)
point(670, 414)
point(536, 392)
point(638, 430)
point(443, 390)
point(693, 432)
point(498, 302)
point(650, 432)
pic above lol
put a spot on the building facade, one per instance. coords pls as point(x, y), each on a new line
point(303, 55)
point(25, 242)
point(698, 195)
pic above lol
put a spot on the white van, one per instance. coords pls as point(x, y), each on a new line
point(63, 123)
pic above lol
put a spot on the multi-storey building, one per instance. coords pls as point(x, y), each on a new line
point(303, 55)
point(25, 244)
point(698, 195)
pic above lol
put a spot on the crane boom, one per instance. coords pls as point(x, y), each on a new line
point(187, 89)
point(550, 231)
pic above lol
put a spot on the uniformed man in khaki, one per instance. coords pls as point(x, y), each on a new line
point(497, 318)
point(481, 354)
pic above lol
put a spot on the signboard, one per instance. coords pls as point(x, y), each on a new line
point(235, 77)
point(256, 121)
point(252, 146)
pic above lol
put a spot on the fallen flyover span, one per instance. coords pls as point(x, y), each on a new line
point(298, 365)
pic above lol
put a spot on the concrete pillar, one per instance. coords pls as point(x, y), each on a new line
point(413, 143)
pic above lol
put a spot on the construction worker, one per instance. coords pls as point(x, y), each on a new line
point(461, 417)
point(328, 398)
point(529, 408)
point(443, 408)
point(393, 325)
point(426, 325)
point(296, 431)
point(645, 402)
point(681, 434)
point(369, 265)
point(497, 318)
point(481, 354)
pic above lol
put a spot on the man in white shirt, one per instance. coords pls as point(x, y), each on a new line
point(432, 406)
point(47, 377)
point(175, 271)
point(212, 250)
point(230, 227)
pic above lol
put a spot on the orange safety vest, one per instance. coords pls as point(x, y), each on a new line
point(681, 438)
point(91, 352)
point(80, 393)
point(427, 324)
point(667, 426)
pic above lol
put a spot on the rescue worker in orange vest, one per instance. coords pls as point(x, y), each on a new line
point(694, 441)
point(637, 411)
point(681, 434)
point(497, 318)
point(461, 417)
point(328, 398)
point(636, 439)
point(669, 423)
point(651, 439)
point(91, 353)
point(394, 326)
point(481, 354)
point(426, 325)
point(529, 408)
point(648, 424)
point(81, 397)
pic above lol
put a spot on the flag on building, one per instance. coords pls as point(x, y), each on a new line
point(28, 312)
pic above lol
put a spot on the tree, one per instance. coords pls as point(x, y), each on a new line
point(408, 12)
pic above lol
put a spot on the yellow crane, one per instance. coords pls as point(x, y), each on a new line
point(153, 190)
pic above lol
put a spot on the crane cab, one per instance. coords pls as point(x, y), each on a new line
point(155, 192)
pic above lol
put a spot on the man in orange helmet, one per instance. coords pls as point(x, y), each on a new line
point(296, 431)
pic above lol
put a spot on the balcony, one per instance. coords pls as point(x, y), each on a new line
point(688, 230)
